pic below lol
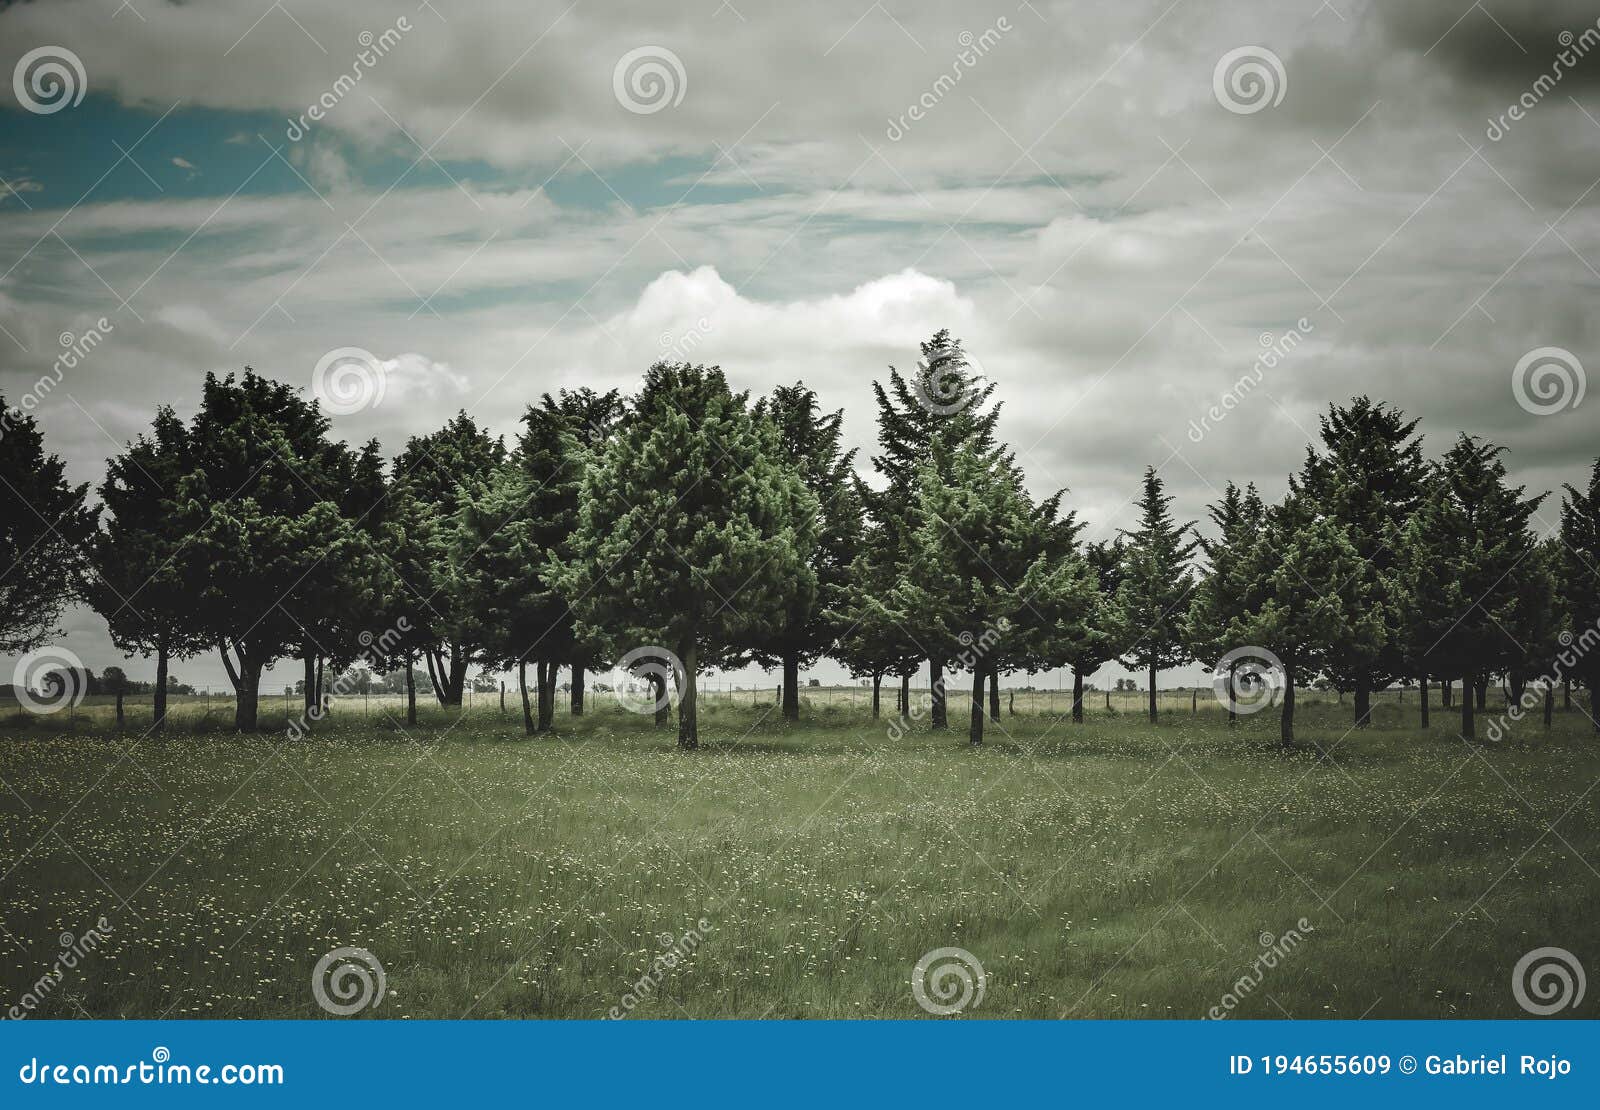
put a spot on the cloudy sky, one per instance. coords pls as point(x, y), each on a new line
point(1118, 208)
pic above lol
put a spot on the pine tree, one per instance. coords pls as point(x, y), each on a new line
point(810, 441)
point(1580, 579)
point(1369, 478)
point(44, 534)
point(1304, 600)
point(261, 507)
point(1456, 569)
point(976, 539)
point(136, 582)
point(1156, 586)
point(433, 468)
point(692, 533)
point(1220, 595)
point(558, 436)
point(923, 416)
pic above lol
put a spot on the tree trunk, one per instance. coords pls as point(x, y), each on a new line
point(1469, 728)
point(658, 687)
point(1566, 694)
point(688, 722)
point(1153, 715)
point(1286, 720)
point(1077, 696)
point(119, 708)
point(1549, 703)
point(161, 690)
point(577, 689)
point(545, 673)
point(1594, 704)
point(877, 685)
point(1233, 693)
point(1422, 683)
point(975, 728)
point(322, 693)
point(936, 693)
point(994, 696)
point(522, 686)
point(435, 666)
point(411, 692)
point(791, 687)
point(246, 692)
point(1363, 700)
point(308, 667)
point(1447, 693)
point(456, 676)
point(905, 694)
point(1480, 689)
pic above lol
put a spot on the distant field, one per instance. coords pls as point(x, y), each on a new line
point(1105, 870)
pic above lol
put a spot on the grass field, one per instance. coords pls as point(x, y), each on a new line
point(1104, 870)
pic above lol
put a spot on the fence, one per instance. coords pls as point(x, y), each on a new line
point(214, 708)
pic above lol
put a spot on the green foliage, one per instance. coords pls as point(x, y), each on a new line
point(44, 530)
point(1157, 582)
point(692, 534)
point(1458, 566)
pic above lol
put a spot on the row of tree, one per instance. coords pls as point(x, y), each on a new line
point(724, 531)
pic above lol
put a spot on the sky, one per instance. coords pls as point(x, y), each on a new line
point(1124, 211)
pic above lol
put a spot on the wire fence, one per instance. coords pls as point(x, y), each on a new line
point(212, 707)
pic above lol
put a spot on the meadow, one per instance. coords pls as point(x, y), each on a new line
point(1104, 870)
